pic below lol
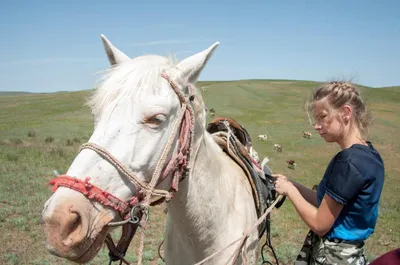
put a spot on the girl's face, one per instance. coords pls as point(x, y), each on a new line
point(327, 123)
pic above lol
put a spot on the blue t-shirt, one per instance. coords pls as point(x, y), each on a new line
point(354, 178)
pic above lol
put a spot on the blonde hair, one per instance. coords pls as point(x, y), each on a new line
point(337, 94)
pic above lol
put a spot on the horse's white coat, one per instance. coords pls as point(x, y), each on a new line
point(134, 110)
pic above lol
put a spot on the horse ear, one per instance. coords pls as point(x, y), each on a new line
point(114, 55)
point(192, 66)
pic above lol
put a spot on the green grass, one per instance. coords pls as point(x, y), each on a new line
point(42, 132)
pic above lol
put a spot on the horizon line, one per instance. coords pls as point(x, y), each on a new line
point(232, 80)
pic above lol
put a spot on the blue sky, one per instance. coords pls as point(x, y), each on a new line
point(49, 46)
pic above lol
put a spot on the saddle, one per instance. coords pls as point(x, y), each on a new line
point(239, 131)
point(236, 142)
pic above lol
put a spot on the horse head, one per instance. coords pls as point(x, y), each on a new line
point(146, 113)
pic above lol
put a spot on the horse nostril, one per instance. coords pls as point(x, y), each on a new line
point(75, 222)
point(72, 228)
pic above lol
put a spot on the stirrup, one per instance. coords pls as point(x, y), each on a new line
point(270, 182)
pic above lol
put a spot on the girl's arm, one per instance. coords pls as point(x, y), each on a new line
point(309, 195)
point(321, 219)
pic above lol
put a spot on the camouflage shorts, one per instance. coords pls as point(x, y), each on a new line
point(321, 251)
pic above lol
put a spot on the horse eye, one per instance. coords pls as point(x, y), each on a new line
point(156, 120)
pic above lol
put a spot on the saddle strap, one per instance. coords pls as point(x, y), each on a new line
point(221, 139)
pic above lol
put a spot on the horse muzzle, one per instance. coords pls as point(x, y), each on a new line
point(72, 231)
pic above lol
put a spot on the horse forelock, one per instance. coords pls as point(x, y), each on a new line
point(135, 79)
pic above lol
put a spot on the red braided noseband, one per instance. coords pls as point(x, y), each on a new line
point(93, 192)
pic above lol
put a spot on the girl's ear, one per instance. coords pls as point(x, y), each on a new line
point(346, 112)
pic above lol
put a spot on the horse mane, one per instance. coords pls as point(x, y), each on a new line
point(128, 80)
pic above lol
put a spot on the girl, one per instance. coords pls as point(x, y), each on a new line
point(343, 212)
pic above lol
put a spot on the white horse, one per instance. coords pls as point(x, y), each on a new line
point(135, 108)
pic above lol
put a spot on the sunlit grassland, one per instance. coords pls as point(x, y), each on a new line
point(42, 132)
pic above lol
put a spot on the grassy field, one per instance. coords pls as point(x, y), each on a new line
point(42, 132)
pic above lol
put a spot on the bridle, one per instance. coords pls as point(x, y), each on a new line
point(132, 210)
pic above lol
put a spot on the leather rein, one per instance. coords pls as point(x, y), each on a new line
point(132, 210)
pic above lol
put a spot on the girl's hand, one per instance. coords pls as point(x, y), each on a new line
point(282, 184)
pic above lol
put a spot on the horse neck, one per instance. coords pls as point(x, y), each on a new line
point(209, 187)
point(212, 208)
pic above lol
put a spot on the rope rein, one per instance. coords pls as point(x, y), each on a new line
point(243, 239)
